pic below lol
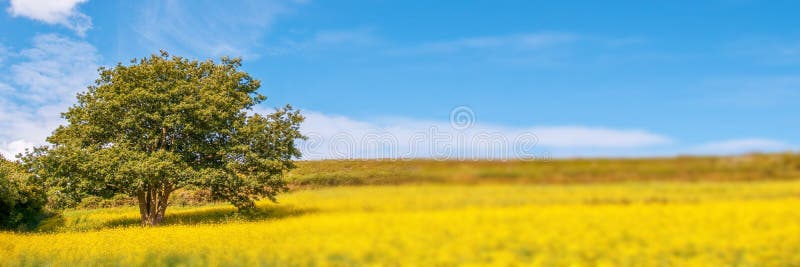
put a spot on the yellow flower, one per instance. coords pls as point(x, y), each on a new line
point(654, 224)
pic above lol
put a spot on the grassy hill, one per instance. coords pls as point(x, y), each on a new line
point(379, 172)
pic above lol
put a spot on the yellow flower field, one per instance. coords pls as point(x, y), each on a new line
point(628, 224)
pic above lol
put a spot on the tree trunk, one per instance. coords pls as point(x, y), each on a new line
point(153, 204)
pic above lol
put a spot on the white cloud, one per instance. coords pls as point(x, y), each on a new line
point(740, 146)
point(61, 12)
point(208, 28)
point(576, 136)
point(41, 86)
point(341, 137)
point(8, 150)
point(333, 136)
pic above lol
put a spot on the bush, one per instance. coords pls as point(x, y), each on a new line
point(21, 198)
point(191, 197)
point(181, 197)
point(58, 200)
point(95, 202)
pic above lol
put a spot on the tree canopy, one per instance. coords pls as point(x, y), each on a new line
point(166, 122)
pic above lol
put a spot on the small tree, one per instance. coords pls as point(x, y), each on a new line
point(163, 123)
point(21, 197)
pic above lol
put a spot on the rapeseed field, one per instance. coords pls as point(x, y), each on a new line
point(619, 224)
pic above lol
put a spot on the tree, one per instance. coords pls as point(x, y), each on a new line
point(21, 197)
point(164, 123)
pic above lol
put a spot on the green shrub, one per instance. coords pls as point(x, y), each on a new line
point(59, 200)
point(95, 202)
point(191, 197)
point(21, 198)
point(181, 197)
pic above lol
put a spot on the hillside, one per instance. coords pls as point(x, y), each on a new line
point(377, 172)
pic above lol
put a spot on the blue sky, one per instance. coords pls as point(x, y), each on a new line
point(617, 78)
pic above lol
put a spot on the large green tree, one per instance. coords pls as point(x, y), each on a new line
point(164, 122)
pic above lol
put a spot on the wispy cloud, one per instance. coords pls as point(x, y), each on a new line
point(773, 51)
point(3, 55)
point(53, 69)
point(535, 42)
point(55, 12)
point(41, 85)
point(348, 37)
point(739, 146)
point(750, 91)
point(545, 48)
point(513, 41)
point(210, 28)
point(324, 40)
